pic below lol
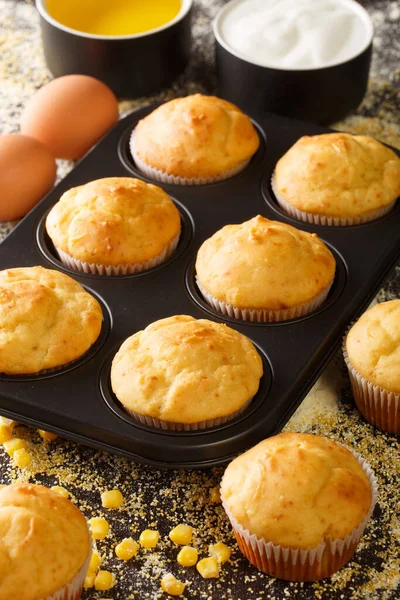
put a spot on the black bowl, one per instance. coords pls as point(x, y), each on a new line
point(319, 95)
point(131, 65)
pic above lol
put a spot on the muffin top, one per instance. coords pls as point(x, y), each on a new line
point(185, 370)
point(338, 175)
point(44, 541)
point(113, 221)
point(264, 264)
point(373, 345)
point(47, 319)
point(297, 490)
point(196, 136)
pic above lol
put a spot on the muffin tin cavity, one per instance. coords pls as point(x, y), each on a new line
point(272, 202)
point(336, 290)
point(113, 403)
point(127, 160)
point(46, 247)
point(75, 364)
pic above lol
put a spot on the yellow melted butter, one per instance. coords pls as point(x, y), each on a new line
point(113, 17)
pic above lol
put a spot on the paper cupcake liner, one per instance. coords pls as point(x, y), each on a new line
point(98, 269)
point(174, 426)
point(264, 315)
point(378, 406)
point(295, 564)
point(315, 219)
point(73, 590)
point(164, 177)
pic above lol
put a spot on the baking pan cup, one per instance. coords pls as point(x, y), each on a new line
point(199, 426)
point(163, 177)
point(73, 590)
point(378, 406)
point(264, 315)
point(98, 269)
point(308, 217)
point(295, 564)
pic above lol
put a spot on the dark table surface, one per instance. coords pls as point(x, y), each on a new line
point(161, 499)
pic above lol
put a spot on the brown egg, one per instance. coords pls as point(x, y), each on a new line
point(27, 172)
point(70, 114)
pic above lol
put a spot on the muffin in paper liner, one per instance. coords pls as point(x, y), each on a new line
point(379, 406)
point(98, 269)
point(317, 219)
point(73, 590)
point(264, 315)
point(200, 425)
point(163, 177)
point(295, 564)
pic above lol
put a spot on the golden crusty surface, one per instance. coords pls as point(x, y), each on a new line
point(264, 264)
point(338, 174)
point(114, 221)
point(196, 136)
point(47, 319)
point(297, 490)
point(185, 370)
point(44, 542)
point(373, 345)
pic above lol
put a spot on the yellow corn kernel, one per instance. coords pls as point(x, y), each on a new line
point(149, 538)
point(9, 422)
point(89, 580)
point(21, 458)
point(181, 535)
point(47, 436)
point(220, 551)
point(99, 527)
point(172, 586)
point(112, 499)
point(5, 433)
point(188, 556)
point(104, 580)
point(95, 562)
point(60, 491)
point(14, 444)
point(208, 567)
point(126, 549)
point(215, 495)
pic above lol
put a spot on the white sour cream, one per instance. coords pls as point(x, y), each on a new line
point(294, 34)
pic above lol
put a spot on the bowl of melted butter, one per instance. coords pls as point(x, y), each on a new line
point(136, 47)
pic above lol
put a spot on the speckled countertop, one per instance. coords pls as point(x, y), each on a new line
point(161, 499)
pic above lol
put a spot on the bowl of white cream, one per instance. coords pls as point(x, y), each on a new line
point(307, 59)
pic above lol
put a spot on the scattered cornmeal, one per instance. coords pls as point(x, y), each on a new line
point(21, 458)
point(112, 499)
point(181, 534)
point(13, 445)
point(60, 490)
point(171, 585)
point(5, 433)
point(99, 527)
point(47, 436)
point(95, 562)
point(215, 495)
point(220, 551)
point(127, 549)
point(188, 556)
point(149, 538)
point(104, 580)
point(208, 567)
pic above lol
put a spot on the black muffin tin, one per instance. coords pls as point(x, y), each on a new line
point(77, 401)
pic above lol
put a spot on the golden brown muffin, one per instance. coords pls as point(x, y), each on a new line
point(46, 320)
point(265, 265)
point(372, 353)
point(44, 543)
point(194, 138)
point(116, 221)
point(297, 491)
point(337, 175)
point(180, 370)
